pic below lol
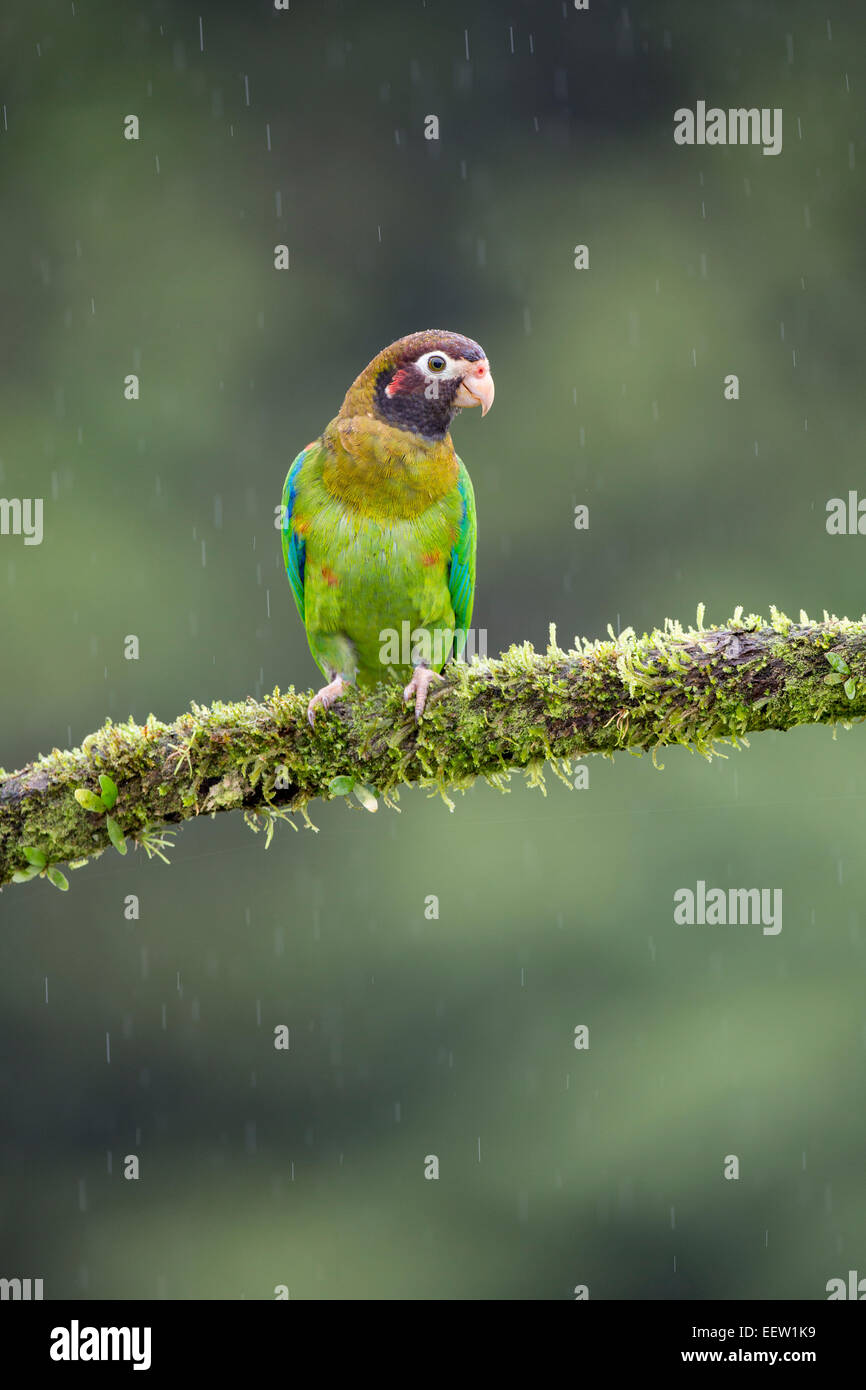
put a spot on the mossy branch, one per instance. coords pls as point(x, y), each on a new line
point(698, 687)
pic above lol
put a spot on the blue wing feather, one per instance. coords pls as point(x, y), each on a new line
point(294, 547)
point(461, 571)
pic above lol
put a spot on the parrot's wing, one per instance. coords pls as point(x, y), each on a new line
point(461, 569)
point(294, 547)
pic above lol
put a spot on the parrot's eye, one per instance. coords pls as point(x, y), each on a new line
point(436, 362)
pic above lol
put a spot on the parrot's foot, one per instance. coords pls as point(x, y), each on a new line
point(419, 685)
point(326, 697)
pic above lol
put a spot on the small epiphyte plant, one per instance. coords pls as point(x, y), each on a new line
point(343, 786)
point(39, 867)
point(839, 673)
point(100, 806)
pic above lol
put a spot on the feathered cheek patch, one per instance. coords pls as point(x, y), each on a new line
point(400, 382)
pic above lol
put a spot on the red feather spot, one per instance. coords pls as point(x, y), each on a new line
point(329, 577)
point(398, 383)
point(432, 559)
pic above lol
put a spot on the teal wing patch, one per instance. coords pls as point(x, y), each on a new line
point(461, 570)
point(294, 547)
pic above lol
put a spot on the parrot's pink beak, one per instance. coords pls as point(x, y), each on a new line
point(476, 388)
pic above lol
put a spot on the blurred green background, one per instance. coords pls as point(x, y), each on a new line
point(454, 1036)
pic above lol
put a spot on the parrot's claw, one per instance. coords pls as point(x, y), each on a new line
point(325, 697)
point(419, 685)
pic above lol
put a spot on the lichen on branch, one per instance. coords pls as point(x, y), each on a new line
point(698, 686)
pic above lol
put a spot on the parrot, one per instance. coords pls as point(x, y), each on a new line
point(378, 521)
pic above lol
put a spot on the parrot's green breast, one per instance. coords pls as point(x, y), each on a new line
point(378, 530)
